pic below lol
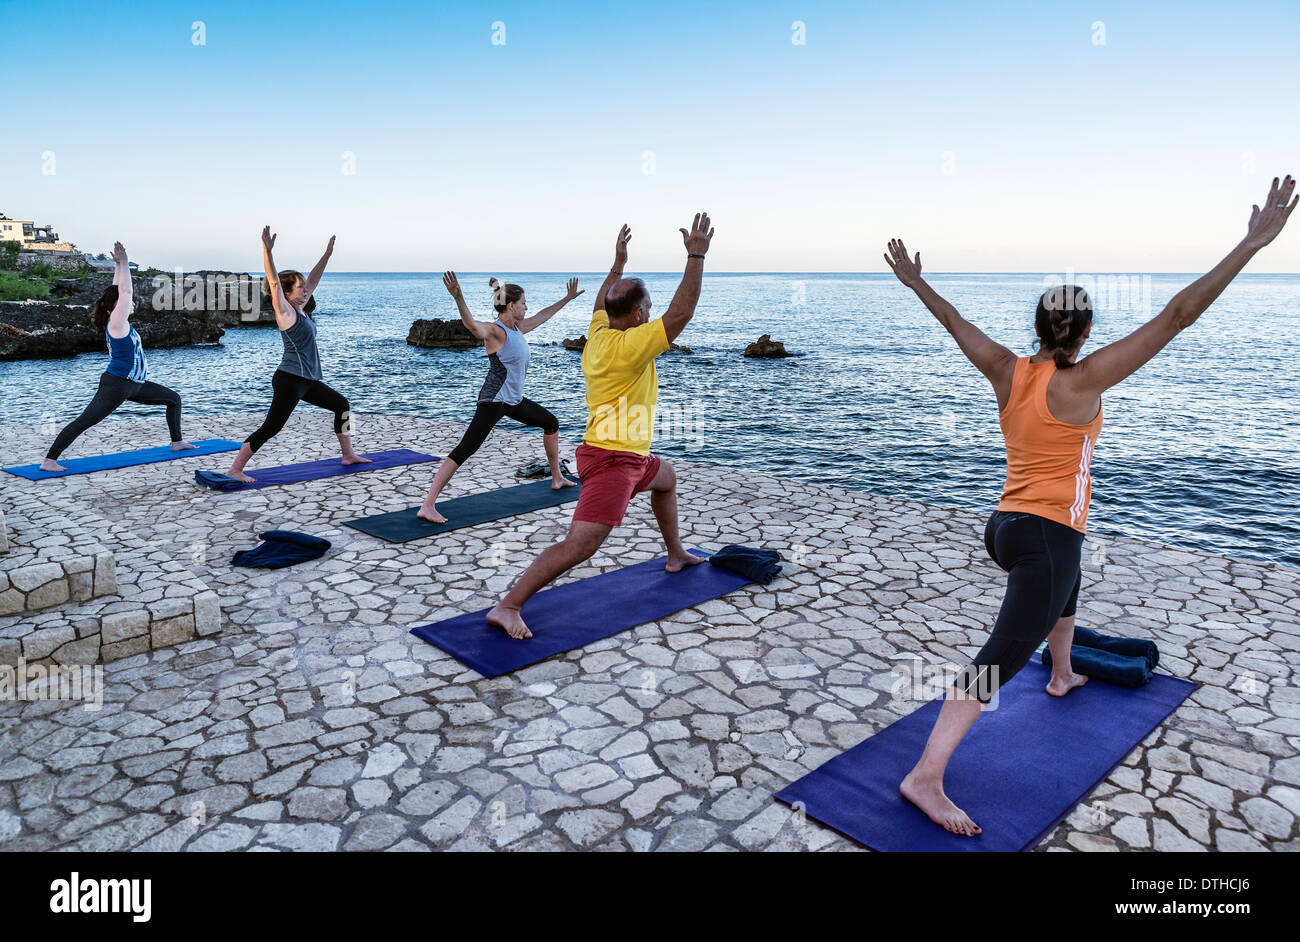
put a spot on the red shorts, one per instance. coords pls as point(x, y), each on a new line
point(609, 479)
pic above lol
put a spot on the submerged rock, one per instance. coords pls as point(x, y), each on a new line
point(436, 334)
point(766, 348)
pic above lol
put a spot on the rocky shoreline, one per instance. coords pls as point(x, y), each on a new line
point(40, 331)
point(197, 308)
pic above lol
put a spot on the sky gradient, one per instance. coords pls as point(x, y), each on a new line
point(994, 137)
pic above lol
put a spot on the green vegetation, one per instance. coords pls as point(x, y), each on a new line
point(15, 287)
point(31, 283)
point(47, 271)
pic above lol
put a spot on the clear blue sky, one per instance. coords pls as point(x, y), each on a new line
point(993, 137)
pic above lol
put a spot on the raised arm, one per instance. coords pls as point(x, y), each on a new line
point(995, 361)
point(121, 313)
point(546, 313)
point(615, 273)
point(480, 329)
point(682, 307)
point(285, 315)
point(313, 279)
point(1119, 360)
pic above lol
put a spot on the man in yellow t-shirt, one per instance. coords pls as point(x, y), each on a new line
point(614, 460)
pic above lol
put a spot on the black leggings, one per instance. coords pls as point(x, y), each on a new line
point(488, 414)
point(112, 392)
point(287, 391)
point(1042, 559)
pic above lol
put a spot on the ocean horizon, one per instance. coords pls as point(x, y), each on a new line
point(1198, 450)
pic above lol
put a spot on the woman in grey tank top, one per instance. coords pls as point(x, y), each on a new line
point(299, 377)
point(502, 393)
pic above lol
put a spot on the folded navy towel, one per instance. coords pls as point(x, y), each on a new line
point(282, 548)
point(1129, 647)
point(216, 480)
point(1113, 668)
point(761, 565)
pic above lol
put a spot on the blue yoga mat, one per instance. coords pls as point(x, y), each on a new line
point(1021, 769)
point(123, 459)
point(329, 467)
point(576, 613)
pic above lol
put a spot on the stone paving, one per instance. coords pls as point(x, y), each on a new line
point(314, 721)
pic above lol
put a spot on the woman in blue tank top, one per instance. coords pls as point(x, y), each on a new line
point(126, 378)
point(299, 377)
point(502, 393)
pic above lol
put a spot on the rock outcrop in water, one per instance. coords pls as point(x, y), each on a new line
point(435, 335)
point(580, 343)
point(765, 348)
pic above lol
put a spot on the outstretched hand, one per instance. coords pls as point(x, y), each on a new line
point(572, 290)
point(620, 246)
point(697, 240)
point(329, 249)
point(906, 269)
point(268, 238)
point(1266, 223)
point(119, 253)
point(452, 285)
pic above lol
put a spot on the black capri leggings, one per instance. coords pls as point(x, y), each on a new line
point(1042, 560)
point(488, 414)
point(287, 391)
point(112, 392)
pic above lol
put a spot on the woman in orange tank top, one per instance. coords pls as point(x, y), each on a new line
point(1050, 411)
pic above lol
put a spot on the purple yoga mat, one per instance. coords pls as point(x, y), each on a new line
point(329, 467)
point(1021, 769)
point(568, 616)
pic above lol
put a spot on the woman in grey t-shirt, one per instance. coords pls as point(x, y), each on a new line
point(299, 377)
point(502, 393)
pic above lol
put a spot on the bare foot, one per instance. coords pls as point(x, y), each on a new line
point(562, 482)
point(49, 464)
point(1059, 687)
point(937, 807)
point(510, 621)
point(182, 446)
point(354, 458)
point(240, 476)
point(677, 563)
point(430, 515)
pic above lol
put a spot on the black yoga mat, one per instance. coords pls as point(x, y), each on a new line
point(402, 526)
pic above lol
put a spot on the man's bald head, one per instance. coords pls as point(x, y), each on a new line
point(624, 297)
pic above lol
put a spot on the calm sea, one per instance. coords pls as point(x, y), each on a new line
point(1199, 448)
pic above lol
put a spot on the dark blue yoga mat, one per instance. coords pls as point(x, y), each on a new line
point(571, 615)
point(1021, 769)
point(123, 459)
point(401, 526)
point(328, 467)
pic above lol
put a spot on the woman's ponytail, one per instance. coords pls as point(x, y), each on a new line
point(1063, 316)
point(504, 294)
